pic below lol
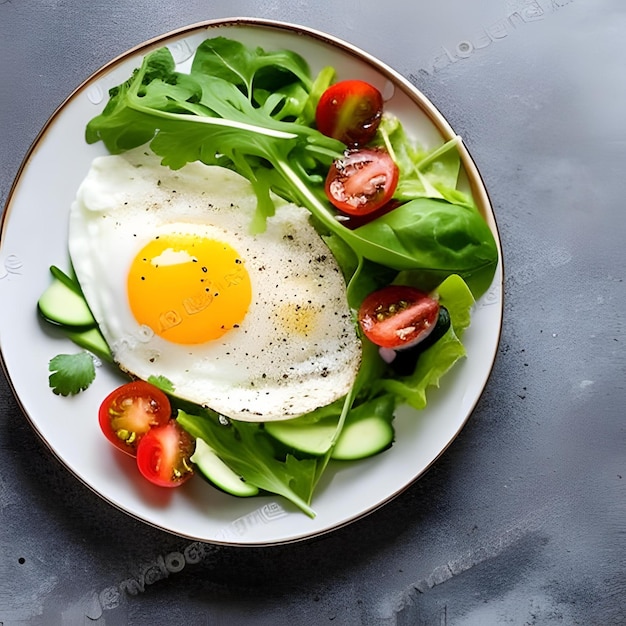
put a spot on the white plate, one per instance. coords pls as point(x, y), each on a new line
point(33, 237)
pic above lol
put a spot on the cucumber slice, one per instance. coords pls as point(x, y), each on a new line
point(367, 431)
point(93, 341)
point(61, 304)
point(218, 473)
point(313, 438)
point(363, 437)
point(59, 274)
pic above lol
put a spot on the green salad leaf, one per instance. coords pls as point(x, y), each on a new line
point(245, 448)
point(435, 239)
point(437, 360)
point(242, 66)
point(71, 373)
point(219, 114)
point(427, 174)
point(163, 383)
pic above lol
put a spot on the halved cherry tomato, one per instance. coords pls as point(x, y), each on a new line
point(363, 181)
point(130, 411)
point(163, 455)
point(398, 316)
point(350, 111)
point(356, 221)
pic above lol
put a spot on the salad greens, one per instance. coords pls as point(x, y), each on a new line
point(440, 357)
point(254, 112)
point(248, 451)
point(219, 119)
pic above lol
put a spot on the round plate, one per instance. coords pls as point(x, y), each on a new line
point(34, 236)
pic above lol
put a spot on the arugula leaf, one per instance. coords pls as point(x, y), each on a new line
point(247, 450)
point(321, 83)
point(204, 117)
point(283, 104)
point(71, 373)
point(120, 127)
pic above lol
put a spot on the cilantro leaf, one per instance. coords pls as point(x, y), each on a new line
point(71, 373)
point(163, 383)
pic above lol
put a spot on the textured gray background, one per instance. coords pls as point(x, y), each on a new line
point(522, 521)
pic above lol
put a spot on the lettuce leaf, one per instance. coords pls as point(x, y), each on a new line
point(248, 451)
point(437, 360)
point(423, 174)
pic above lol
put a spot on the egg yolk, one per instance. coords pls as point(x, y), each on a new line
point(188, 289)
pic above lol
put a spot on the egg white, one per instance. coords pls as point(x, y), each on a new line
point(296, 349)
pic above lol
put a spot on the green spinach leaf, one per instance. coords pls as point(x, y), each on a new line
point(434, 238)
point(250, 68)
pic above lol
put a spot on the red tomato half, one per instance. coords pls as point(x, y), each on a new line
point(356, 221)
point(130, 411)
point(362, 182)
point(398, 316)
point(350, 111)
point(163, 455)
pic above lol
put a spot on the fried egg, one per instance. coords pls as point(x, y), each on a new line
point(256, 327)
